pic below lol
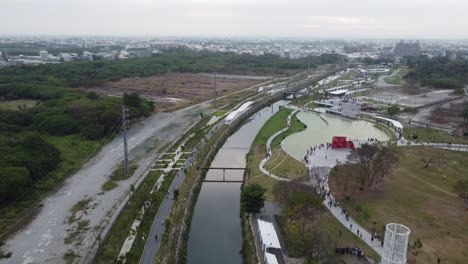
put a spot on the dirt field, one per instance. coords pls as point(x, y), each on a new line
point(180, 87)
point(413, 97)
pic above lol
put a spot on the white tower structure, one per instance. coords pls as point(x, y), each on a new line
point(395, 244)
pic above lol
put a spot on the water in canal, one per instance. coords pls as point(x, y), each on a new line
point(215, 234)
point(322, 130)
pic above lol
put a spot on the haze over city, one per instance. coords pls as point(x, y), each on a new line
point(242, 18)
point(233, 131)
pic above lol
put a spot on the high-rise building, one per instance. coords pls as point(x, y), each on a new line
point(403, 49)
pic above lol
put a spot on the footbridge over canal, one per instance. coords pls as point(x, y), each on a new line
point(224, 169)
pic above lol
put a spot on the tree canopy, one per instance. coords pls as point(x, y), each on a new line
point(252, 198)
point(440, 72)
point(393, 110)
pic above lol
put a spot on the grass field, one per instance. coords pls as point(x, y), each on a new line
point(273, 125)
point(396, 80)
point(258, 151)
point(282, 164)
point(17, 104)
point(330, 227)
point(74, 152)
point(422, 199)
point(434, 136)
point(296, 126)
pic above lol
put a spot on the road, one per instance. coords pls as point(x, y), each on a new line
point(157, 229)
point(381, 82)
point(43, 239)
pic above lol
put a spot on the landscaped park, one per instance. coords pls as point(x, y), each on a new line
point(333, 198)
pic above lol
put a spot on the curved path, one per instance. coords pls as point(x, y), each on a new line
point(261, 166)
point(322, 160)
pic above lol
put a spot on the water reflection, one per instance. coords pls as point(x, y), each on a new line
point(215, 235)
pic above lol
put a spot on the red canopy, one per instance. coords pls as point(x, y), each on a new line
point(340, 142)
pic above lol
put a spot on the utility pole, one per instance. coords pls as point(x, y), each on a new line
point(274, 70)
point(125, 115)
point(215, 89)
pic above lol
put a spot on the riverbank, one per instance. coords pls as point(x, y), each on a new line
point(329, 225)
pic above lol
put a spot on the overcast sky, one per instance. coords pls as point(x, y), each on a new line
point(239, 18)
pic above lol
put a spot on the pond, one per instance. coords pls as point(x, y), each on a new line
point(321, 129)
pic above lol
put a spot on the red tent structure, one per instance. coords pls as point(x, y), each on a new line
point(340, 142)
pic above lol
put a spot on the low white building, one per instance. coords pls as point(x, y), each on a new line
point(238, 112)
point(268, 240)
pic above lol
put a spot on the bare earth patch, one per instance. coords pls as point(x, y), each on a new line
point(176, 87)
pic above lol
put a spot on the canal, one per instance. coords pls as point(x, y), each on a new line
point(215, 233)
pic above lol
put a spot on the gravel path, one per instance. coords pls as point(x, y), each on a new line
point(43, 239)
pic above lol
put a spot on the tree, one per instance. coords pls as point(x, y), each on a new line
point(252, 198)
point(393, 110)
point(13, 182)
point(131, 100)
point(373, 162)
point(59, 124)
point(411, 113)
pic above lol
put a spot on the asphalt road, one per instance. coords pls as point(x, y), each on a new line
point(43, 239)
point(157, 229)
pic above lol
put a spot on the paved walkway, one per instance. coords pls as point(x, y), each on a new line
point(261, 166)
point(153, 240)
point(321, 161)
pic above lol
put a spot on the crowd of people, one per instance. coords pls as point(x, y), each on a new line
point(350, 250)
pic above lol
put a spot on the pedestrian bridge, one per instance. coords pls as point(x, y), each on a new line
point(224, 169)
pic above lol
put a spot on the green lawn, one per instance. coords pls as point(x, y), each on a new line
point(17, 104)
point(221, 112)
point(283, 164)
point(74, 152)
point(396, 80)
point(273, 125)
point(403, 72)
point(432, 135)
point(422, 199)
point(296, 126)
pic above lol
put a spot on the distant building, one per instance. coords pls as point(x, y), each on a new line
point(68, 56)
point(3, 56)
point(44, 54)
point(403, 49)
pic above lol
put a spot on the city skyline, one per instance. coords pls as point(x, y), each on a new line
point(224, 18)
